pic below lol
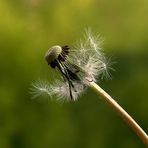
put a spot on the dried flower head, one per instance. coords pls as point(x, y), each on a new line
point(85, 62)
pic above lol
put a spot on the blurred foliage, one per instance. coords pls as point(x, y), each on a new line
point(27, 29)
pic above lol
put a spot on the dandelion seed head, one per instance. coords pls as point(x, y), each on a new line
point(86, 62)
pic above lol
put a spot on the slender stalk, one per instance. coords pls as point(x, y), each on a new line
point(119, 110)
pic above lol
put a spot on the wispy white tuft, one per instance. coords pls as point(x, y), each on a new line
point(40, 88)
point(93, 41)
point(61, 90)
point(90, 59)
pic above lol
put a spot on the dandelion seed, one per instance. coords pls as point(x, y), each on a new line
point(40, 88)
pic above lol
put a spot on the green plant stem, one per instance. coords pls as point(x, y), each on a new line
point(120, 111)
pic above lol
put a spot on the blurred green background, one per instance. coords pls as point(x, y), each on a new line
point(27, 29)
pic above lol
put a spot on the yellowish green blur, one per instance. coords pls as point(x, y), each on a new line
point(28, 28)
